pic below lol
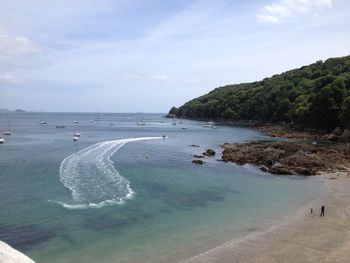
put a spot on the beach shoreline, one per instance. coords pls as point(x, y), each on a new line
point(301, 238)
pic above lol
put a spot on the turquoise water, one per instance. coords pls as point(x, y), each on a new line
point(122, 193)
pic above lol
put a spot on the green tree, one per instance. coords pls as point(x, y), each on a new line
point(345, 113)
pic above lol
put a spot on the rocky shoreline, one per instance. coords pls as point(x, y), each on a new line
point(289, 158)
point(290, 132)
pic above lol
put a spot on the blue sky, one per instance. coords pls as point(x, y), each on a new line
point(128, 56)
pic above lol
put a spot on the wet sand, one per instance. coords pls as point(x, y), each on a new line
point(301, 237)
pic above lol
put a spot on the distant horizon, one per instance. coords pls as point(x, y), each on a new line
point(2, 110)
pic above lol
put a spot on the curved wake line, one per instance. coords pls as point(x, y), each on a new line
point(92, 178)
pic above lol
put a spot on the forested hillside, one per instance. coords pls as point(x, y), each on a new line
point(317, 95)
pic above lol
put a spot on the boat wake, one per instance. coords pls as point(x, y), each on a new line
point(92, 179)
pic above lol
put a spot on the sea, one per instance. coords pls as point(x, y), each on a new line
point(130, 193)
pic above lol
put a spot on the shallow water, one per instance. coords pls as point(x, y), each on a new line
point(122, 193)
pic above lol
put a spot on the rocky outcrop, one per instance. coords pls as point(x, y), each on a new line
point(289, 158)
point(198, 156)
point(291, 132)
point(11, 255)
point(287, 131)
point(209, 153)
point(197, 162)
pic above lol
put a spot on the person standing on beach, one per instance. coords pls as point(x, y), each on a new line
point(322, 210)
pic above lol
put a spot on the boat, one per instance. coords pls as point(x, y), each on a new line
point(97, 117)
point(60, 126)
point(142, 121)
point(2, 140)
point(42, 118)
point(77, 134)
point(210, 124)
point(75, 122)
point(75, 138)
point(7, 131)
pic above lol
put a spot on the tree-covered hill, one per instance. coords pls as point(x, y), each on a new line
point(317, 95)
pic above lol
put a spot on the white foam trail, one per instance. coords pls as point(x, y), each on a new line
point(91, 177)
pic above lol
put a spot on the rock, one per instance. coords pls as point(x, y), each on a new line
point(197, 162)
point(289, 157)
point(264, 169)
point(336, 133)
point(345, 136)
point(209, 152)
point(332, 137)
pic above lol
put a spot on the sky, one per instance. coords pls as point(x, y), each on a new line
point(149, 55)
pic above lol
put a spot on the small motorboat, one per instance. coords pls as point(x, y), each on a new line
point(43, 122)
point(75, 138)
point(77, 134)
point(2, 140)
point(210, 124)
point(75, 122)
point(60, 126)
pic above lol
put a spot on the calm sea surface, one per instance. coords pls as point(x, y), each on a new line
point(122, 193)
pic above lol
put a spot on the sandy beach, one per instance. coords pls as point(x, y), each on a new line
point(300, 238)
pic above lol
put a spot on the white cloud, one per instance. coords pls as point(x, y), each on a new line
point(7, 78)
point(164, 78)
point(278, 11)
point(15, 45)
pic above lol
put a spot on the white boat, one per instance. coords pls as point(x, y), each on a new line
point(75, 122)
point(2, 140)
point(142, 121)
point(7, 131)
point(77, 134)
point(75, 138)
point(42, 118)
point(97, 116)
point(210, 124)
